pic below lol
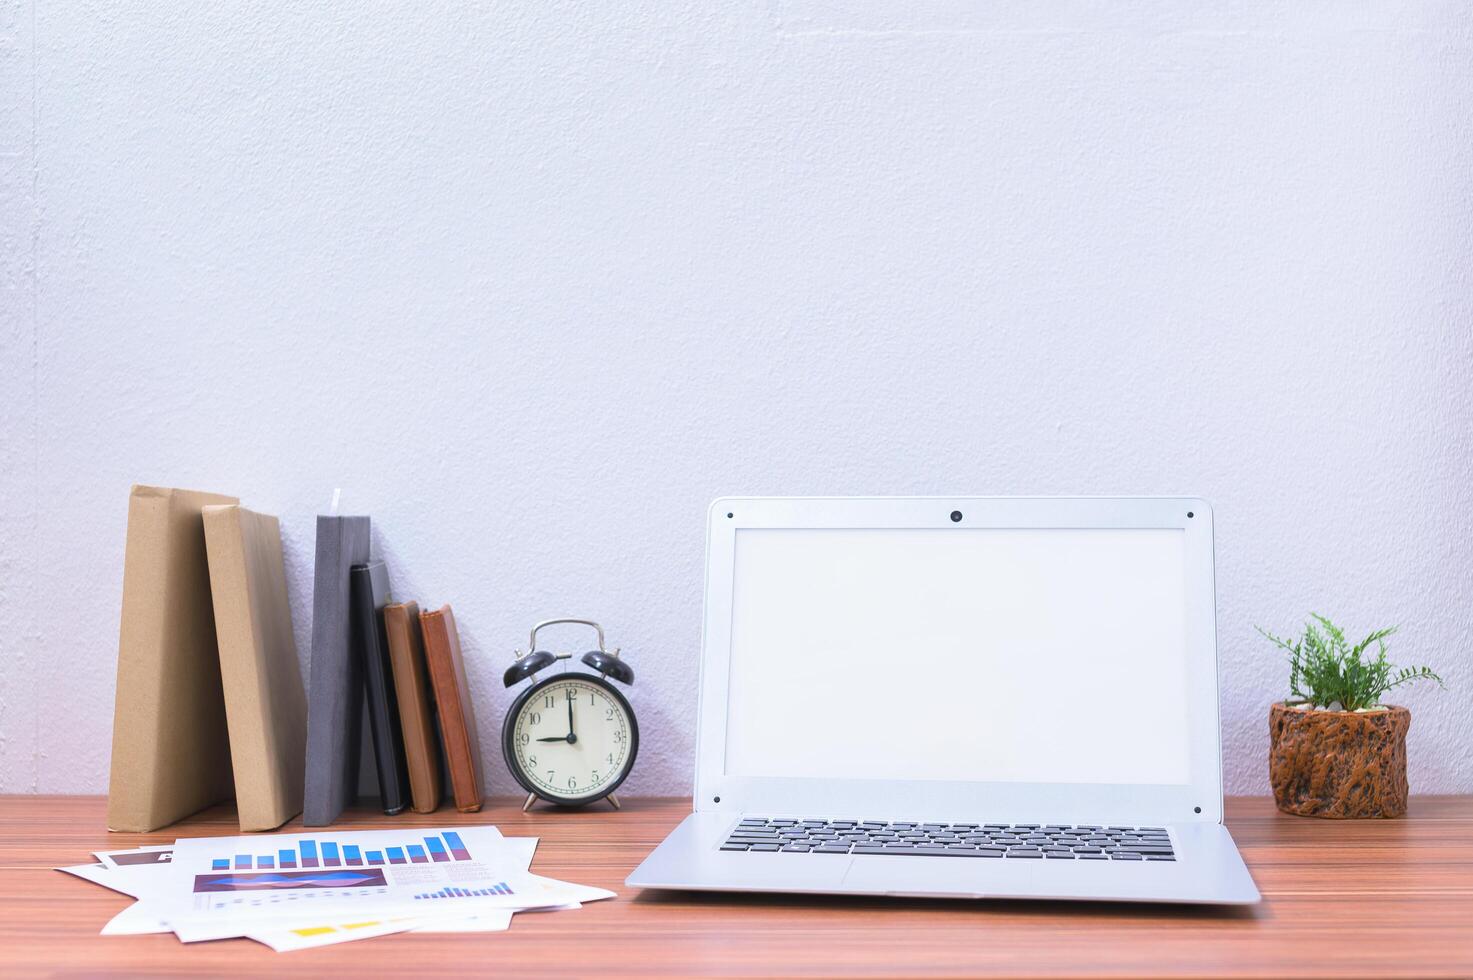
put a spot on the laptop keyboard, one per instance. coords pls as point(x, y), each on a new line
point(1077, 842)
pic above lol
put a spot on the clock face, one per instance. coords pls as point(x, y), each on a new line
point(571, 739)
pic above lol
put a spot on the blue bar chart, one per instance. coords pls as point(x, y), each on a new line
point(314, 853)
point(500, 888)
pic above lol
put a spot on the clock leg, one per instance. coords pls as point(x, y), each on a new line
point(615, 801)
point(531, 798)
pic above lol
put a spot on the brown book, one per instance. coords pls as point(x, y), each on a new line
point(453, 697)
point(265, 705)
point(171, 748)
point(416, 712)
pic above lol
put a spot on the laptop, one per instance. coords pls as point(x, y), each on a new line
point(986, 697)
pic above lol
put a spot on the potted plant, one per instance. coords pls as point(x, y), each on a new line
point(1334, 749)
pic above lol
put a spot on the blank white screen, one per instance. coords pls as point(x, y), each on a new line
point(1012, 655)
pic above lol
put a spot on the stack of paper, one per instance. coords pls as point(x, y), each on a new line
point(296, 891)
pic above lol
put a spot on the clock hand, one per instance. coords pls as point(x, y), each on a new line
point(571, 736)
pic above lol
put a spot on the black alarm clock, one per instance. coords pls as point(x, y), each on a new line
point(570, 738)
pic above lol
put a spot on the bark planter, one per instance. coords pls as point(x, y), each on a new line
point(1339, 764)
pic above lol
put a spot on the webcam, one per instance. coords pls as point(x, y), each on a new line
point(956, 517)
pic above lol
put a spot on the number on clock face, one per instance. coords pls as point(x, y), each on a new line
point(572, 739)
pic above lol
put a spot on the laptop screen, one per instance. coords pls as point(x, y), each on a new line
point(959, 654)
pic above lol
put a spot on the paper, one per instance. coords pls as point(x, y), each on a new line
point(149, 854)
point(135, 920)
point(306, 937)
point(520, 851)
point(298, 891)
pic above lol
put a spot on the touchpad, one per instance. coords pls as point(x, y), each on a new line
point(908, 875)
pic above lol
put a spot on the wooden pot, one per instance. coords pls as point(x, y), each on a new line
point(1339, 764)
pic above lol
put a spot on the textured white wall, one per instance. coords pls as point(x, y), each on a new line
point(534, 282)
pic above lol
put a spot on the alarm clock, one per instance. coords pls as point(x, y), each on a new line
point(570, 738)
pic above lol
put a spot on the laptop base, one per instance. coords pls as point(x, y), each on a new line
point(1207, 870)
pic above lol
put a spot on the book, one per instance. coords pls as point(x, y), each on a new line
point(171, 747)
point(416, 709)
point(370, 593)
point(265, 705)
point(452, 697)
point(335, 694)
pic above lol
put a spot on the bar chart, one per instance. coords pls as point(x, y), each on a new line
point(314, 853)
point(500, 888)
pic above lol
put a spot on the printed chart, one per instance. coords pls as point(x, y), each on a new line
point(339, 872)
point(500, 888)
point(314, 853)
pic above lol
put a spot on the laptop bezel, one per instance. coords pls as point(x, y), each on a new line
point(1199, 800)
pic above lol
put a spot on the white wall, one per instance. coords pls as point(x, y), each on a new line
point(534, 282)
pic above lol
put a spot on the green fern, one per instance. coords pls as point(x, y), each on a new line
point(1325, 668)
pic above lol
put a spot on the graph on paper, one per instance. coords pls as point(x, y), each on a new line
point(317, 853)
point(500, 888)
point(338, 870)
point(278, 880)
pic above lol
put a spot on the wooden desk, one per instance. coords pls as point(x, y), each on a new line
point(1373, 898)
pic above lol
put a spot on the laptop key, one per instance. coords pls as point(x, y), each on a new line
point(1059, 854)
point(765, 847)
point(729, 846)
point(1125, 856)
point(942, 852)
point(1015, 853)
point(831, 849)
point(799, 848)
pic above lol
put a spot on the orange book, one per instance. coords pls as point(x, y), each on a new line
point(457, 717)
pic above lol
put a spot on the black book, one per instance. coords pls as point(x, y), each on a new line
point(370, 593)
point(335, 698)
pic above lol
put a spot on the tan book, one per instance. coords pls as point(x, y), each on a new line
point(171, 749)
point(416, 710)
point(265, 704)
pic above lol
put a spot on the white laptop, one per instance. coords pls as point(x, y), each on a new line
point(983, 697)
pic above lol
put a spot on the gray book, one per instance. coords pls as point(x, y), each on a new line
point(335, 696)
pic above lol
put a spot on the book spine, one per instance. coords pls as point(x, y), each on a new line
point(438, 656)
point(319, 806)
point(140, 663)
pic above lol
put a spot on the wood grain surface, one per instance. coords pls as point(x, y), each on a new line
point(1341, 899)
